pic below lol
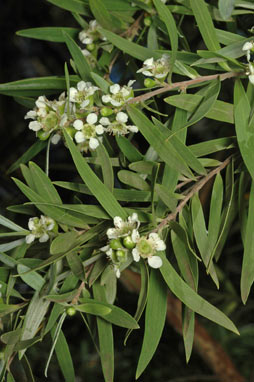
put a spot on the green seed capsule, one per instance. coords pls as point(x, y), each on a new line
point(147, 21)
point(106, 111)
point(42, 135)
point(90, 47)
point(71, 311)
point(120, 254)
point(115, 244)
point(128, 243)
point(149, 83)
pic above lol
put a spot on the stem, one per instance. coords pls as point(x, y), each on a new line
point(183, 85)
point(196, 188)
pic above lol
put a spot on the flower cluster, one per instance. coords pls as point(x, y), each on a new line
point(248, 47)
point(40, 228)
point(47, 117)
point(82, 120)
point(125, 240)
point(157, 69)
point(91, 34)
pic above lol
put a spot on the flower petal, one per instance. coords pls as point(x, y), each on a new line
point(155, 262)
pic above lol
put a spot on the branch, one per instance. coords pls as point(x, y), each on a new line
point(183, 85)
point(194, 190)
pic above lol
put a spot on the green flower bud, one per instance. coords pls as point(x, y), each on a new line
point(90, 47)
point(121, 255)
point(71, 311)
point(115, 244)
point(149, 83)
point(106, 111)
point(128, 243)
point(42, 135)
point(147, 21)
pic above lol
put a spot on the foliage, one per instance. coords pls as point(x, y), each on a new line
point(137, 180)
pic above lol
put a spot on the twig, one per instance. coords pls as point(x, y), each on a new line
point(76, 297)
point(194, 190)
point(183, 85)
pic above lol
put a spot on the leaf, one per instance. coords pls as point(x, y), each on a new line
point(35, 149)
point(128, 149)
point(98, 189)
point(226, 8)
point(77, 6)
point(106, 167)
point(33, 279)
point(247, 273)
point(168, 19)
point(54, 34)
point(154, 319)
point(81, 63)
point(101, 14)
point(220, 111)
point(188, 331)
point(168, 198)
point(13, 244)
point(133, 179)
point(36, 86)
point(191, 299)
point(9, 224)
point(106, 340)
point(64, 358)
point(205, 24)
point(244, 131)
point(100, 82)
point(64, 242)
point(212, 146)
point(157, 140)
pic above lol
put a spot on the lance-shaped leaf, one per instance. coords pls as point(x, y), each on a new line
point(33, 150)
point(98, 189)
point(154, 321)
point(76, 6)
point(226, 8)
point(191, 299)
point(157, 140)
point(102, 15)
point(64, 358)
point(54, 34)
point(244, 130)
point(247, 275)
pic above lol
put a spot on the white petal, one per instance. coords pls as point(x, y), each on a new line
point(99, 129)
point(84, 103)
point(147, 73)
point(31, 114)
point(112, 233)
point(160, 245)
point(118, 222)
point(114, 89)
point(106, 98)
point(35, 125)
point(86, 52)
point(148, 61)
point(130, 83)
point(78, 124)
point(92, 118)
point(63, 120)
point(31, 224)
point(115, 103)
point(30, 238)
point(117, 271)
point(79, 137)
point(121, 117)
point(81, 86)
point(251, 79)
point(135, 254)
point(72, 93)
point(133, 129)
point(87, 40)
point(55, 139)
point(135, 235)
point(160, 75)
point(104, 121)
point(247, 46)
point(44, 238)
point(41, 102)
point(105, 248)
point(93, 143)
point(155, 262)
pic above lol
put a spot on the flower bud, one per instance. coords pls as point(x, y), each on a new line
point(90, 47)
point(149, 83)
point(71, 311)
point(147, 21)
point(106, 111)
point(42, 135)
point(128, 243)
point(115, 244)
point(120, 254)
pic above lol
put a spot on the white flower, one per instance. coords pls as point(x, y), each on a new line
point(82, 95)
point(147, 248)
point(248, 47)
point(157, 69)
point(119, 126)
point(87, 132)
point(123, 228)
point(39, 228)
point(119, 95)
point(91, 34)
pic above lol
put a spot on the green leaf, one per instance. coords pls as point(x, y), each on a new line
point(9, 224)
point(36, 86)
point(191, 299)
point(106, 340)
point(54, 34)
point(77, 6)
point(64, 242)
point(128, 149)
point(168, 198)
point(226, 8)
point(64, 358)
point(33, 279)
point(102, 15)
point(100, 82)
point(205, 24)
point(133, 179)
point(154, 320)
point(98, 189)
point(13, 244)
point(106, 167)
point(157, 140)
point(247, 274)
point(188, 331)
point(143, 167)
point(244, 131)
point(81, 63)
point(212, 146)
point(220, 111)
point(35, 149)
point(169, 21)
